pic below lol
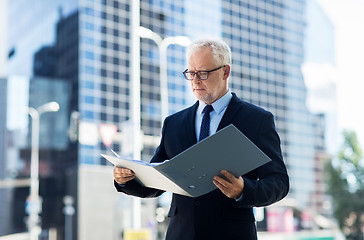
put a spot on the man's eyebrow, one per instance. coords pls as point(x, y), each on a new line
point(197, 70)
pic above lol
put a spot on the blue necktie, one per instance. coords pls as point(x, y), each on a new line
point(205, 125)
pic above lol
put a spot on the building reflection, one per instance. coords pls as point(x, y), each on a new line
point(55, 78)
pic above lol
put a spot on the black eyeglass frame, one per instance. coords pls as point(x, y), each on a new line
point(198, 73)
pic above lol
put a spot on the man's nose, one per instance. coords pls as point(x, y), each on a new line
point(195, 79)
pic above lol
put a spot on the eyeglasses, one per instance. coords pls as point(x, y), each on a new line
point(202, 75)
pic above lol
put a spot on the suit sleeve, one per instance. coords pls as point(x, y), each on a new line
point(270, 182)
point(134, 188)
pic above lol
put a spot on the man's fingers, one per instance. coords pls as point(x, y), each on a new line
point(221, 181)
point(123, 175)
point(229, 185)
point(123, 179)
point(126, 179)
point(224, 189)
point(123, 172)
point(119, 170)
point(218, 185)
point(228, 175)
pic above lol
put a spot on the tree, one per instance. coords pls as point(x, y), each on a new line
point(345, 180)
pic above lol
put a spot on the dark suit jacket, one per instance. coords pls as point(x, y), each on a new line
point(213, 215)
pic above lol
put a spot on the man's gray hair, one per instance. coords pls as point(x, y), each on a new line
point(220, 50)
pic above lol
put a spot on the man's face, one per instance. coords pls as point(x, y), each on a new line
point(215, 86)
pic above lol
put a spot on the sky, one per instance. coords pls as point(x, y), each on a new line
point(348, 18)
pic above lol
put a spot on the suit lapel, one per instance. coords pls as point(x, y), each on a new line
point(191, 115)
point(230, 112)
point(229, 115)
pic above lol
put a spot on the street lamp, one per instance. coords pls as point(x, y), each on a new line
point(135, 100)
point(68, 211)
point(162, 47)
point(34, 201)
point(138, 32)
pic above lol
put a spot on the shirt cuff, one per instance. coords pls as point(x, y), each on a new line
point(239, 198)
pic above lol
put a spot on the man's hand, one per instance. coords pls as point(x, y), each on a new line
point(232, 187)
point(123, 175)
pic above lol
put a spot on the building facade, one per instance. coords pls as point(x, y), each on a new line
point(321, 78)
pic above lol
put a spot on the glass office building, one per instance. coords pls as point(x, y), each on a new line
point(321, 78)
point(87, 45)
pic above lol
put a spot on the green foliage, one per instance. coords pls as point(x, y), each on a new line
point(345, 179)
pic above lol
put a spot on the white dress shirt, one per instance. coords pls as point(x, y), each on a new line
point(219, 106)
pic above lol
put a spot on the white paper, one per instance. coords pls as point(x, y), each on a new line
point(147, 174)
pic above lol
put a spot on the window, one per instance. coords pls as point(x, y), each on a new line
point(116, 75)
point(88, 115)
point(116, 118)
point(88, 69)
point(89, 84)
point(103, 116)
point(103, 73)
point(90, 11)
point(89, 55)
point(103, 102)
point(89, 99)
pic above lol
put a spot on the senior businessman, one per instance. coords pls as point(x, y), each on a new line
point(227, 212)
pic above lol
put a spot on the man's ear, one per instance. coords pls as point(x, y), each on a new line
point(226, 72)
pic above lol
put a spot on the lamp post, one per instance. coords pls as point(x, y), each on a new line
point(135, 100)
point(34, 201)
point(68, 211)
point(138, 32)
point(163, 45)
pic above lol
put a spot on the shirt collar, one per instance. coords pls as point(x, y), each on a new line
point(219, 105)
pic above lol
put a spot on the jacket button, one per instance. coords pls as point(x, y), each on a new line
point(197, 203)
